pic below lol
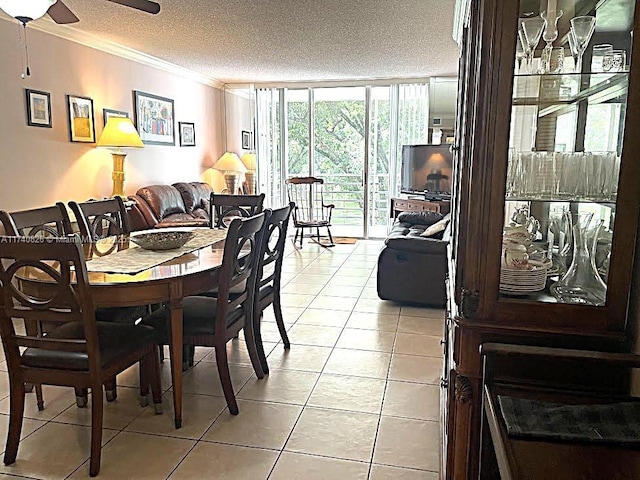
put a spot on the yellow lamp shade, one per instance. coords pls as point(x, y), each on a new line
point(249, 160)
point(229, 162)
point(120, 132)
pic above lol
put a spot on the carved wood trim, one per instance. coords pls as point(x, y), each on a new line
point(463, 390)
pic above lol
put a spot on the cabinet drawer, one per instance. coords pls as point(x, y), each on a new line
point(400, 204)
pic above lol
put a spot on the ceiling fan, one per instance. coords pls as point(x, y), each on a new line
point(26, 11)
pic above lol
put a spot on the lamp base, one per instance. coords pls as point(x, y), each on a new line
point(250, 178)
point(118, 174)
point(231, 180)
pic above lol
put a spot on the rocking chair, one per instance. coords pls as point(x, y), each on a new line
point(309, 211)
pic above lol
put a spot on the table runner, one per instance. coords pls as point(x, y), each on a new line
point(136, 259)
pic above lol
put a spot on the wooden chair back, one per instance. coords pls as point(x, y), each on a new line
point(272, 250)
point(226, 207)
point(50, 221)
point(307, 193)
point(99, 220)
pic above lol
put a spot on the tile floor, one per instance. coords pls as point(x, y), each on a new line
point(356, 397)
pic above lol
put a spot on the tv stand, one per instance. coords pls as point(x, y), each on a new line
point(419, 204)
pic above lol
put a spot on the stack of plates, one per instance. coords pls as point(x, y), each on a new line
point(521, 282)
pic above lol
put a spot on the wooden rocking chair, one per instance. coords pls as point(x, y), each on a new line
point(309, 211)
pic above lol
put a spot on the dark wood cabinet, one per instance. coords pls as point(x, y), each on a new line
point(399, 205)
point(507, 115)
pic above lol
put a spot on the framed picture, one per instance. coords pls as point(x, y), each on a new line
point(187, 134)
point(107, 113)
point(247, 140)
point(81, 125)
point(38, 108)
point(154, 118)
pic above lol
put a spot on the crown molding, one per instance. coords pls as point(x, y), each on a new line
point(98, 43)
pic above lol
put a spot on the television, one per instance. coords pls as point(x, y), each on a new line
point(427, 169)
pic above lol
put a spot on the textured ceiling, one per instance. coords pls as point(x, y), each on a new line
point(235, 41)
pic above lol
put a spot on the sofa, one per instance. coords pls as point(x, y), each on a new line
point(413, 264)
point(178, 205)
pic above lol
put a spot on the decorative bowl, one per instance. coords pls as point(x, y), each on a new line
point(162, 239)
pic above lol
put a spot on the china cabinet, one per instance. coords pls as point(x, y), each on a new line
point(547, 192)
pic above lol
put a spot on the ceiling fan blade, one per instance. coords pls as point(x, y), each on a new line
point(144, 5)
point(61, 14)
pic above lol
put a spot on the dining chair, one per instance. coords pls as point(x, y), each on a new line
point(79, 352)
point(214, 321)
point(310, 211)
point(227, 207)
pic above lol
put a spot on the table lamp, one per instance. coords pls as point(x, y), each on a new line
point(119, 132)
point(249, 161)
point(230, 164)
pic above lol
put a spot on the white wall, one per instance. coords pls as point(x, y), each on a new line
point(39, 166)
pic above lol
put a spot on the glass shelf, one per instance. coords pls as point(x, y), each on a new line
point(603, 201)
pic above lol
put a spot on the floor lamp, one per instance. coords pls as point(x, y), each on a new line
point(121, 133)
point(230, 164)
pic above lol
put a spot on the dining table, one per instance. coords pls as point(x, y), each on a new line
point(133, 276)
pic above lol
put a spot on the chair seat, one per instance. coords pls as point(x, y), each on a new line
point(318, 223)
point(115, 340)
point(120, 314)
point(198, 317)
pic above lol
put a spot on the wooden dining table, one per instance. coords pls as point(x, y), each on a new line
point(167, 283)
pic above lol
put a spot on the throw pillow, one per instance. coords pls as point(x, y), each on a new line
point(436, 228)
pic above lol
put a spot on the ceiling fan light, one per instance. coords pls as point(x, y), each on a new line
point(30, 10)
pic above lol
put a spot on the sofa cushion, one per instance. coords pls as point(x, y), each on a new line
point(417, 244)
point(195, 195)
point(419, 218)
point(163, 200)
point(437, 229)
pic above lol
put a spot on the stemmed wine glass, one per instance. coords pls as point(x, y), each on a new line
point(521, 50)
point(532, 29)
point(582, 29)
point(549, 35)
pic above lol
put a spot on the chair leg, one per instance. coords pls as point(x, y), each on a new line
point(192, 355)
point(185, 357)
point(154, 379)
point(144, 381)
point(96, 429)
point(301, 235)
point(82, 397)
point(16, 414)
point(259, 346)
point(331, 244)
point(161, 353)
point(39, 397)
point(318, 234)
point(110, 389)
point(225, 377)
point(251, 341)
point(277, 310)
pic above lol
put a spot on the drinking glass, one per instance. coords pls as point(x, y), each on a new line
point(582, 28)
point(599, 53)
point(574, 50)
point(532, 28)
point(614, 61)
point(550, 33)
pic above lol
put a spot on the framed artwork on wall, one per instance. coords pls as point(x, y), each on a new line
point(187, 134)
point(107, 113)
point(154, 118)
point(81, 124)
point(38, 108)
point(247, 140)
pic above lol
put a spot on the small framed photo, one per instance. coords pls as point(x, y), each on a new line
point(187, 134)
point(38, 108)
point(107, 113)
point(81, 124)
point(247, 140)
point(154, 118)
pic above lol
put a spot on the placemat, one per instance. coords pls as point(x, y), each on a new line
point(136, 259)
point(617, 423)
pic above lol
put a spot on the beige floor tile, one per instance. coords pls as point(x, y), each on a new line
point(314, 279)
point(404, 442)
point(297, 466)
point(10, 477)
point(358, 339)
point(370, 293)
point(226, 462)
point(421, 325)
point(303, 288)
point(259, 424)
point(384, 472)
point(289, 314)
point(56, 401)
point(331, 433)
point(349, 271)
point(296, 300)
point(331, 318)
point(338, 281)
point(299, 357)
point(358, 363)
point(131, 376)
point(331, 260)
point(203, 379)
point(437, 313)
point(29, 426)
point(117, 414)
point(412, 368)
point(320, 270)
point(341, 291)
point(237, 353)
point(376, 306)
point(343, 392)
point(373, 321)
point(283, 386)
point(54, 451)
point(412, 400)
point(198, 413)
point(333, 303)
point(314, 335)
point(425, 345)
point(3, 366)
point(138, 456)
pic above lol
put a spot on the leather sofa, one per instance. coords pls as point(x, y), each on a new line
point(412, 267)
point(177, 205)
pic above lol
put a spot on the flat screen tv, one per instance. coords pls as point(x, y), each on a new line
point(427, 169)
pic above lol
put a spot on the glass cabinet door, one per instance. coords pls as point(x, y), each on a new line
point(568, 111)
